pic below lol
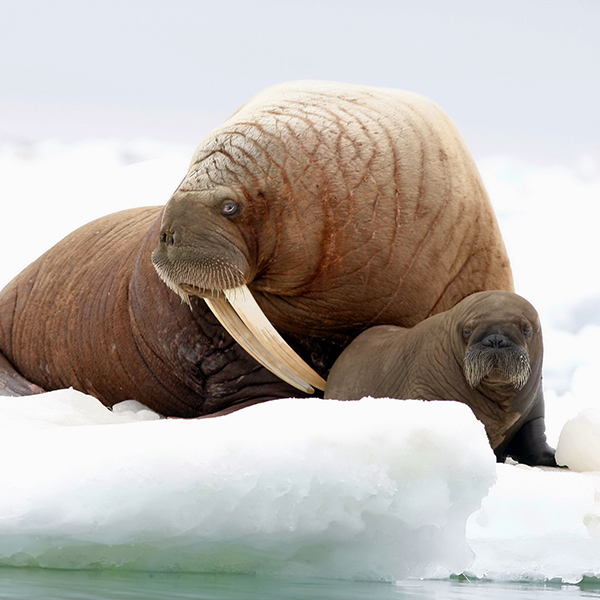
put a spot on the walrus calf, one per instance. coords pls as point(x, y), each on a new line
point(486, 352)
point(316, 211)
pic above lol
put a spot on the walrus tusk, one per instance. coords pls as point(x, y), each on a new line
point(243, 318)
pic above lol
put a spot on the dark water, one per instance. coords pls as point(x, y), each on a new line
point(29, 584)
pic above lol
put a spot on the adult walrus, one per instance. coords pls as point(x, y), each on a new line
point(321, 208)
point(487, 352)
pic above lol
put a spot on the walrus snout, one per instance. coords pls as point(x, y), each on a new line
point(204, 275)
point(509, 363)
point(496, 340)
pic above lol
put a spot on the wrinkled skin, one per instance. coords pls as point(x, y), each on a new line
point(433, 361)
point(339, 207)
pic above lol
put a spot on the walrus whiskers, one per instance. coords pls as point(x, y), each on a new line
point(513, 364)
point(205, 278)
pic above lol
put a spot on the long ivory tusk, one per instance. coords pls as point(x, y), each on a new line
point(247, 308)
point(245, 321)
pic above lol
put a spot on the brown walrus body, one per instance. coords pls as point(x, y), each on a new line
point(338, 207)
point(93, 314)
point(487, 352)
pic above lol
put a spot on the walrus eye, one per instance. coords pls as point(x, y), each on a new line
point(526, 332)
point(467, 333)
point(230, 208)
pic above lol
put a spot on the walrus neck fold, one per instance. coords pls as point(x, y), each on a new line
point(502, 394)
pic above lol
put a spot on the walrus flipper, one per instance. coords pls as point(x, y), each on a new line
point(13, 383)
point(529, 446)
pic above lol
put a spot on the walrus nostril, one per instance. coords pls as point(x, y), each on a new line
point(496, 340)
point(166, 237)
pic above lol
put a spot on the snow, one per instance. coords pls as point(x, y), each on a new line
point(537, 524)
point(300, 486)
point(376, 489)
point(579, 443)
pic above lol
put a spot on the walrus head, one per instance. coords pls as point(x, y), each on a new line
point(200, 250)
point(501, 333)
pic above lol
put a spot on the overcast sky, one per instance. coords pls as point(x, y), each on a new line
point(515, 75)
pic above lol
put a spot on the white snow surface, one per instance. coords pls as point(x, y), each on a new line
point(297, 486)
point(375, 489)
